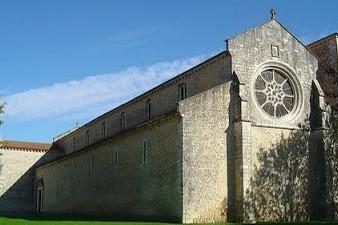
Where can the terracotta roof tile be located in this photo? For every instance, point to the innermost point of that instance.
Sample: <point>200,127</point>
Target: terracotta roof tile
<point>25,146</point>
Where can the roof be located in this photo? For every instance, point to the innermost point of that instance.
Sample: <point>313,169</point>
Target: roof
<point>280,24</point>
<point>324,38</point>
<point>111,138</point>
<point>145,94</point>
<point>24,146</point>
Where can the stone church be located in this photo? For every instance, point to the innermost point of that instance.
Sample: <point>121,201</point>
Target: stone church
<point>238,137</point>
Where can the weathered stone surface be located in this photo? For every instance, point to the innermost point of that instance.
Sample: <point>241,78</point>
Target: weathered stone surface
<point>16,181</point>
<point>326,49</point>
<point>217,155</point>
<point>205,121</point>
<point>93,182</point>
<point>253,51</point>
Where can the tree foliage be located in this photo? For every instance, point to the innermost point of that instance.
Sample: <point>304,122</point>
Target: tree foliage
<point>331,159</point>
<point>2,107</point>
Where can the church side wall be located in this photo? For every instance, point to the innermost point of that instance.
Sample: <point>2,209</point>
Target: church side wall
<point>205,122</point>
<point>118,179</point>
<point>16,181</point>
<point>164,99</point>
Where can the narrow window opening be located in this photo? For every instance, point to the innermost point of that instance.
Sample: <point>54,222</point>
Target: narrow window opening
<point>116,158</point>
<point>145,151</point>
<point>74,170</point>
<point>182,92</point>
<point>92,167</point>
<point>148,108</point>
<point>74,143</point>
<point>87,137</point>
<point>123,121</point>
<point>103,129</point>
<point>40,200</point>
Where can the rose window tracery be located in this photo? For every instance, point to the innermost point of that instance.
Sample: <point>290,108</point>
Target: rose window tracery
<point>274,93</point>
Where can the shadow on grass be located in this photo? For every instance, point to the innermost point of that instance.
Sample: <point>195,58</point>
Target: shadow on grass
<point>75,220</point>
<point>87,219</point>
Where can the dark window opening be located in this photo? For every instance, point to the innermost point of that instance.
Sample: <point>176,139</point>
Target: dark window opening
<point>182,92</point>
<point>116,158</point>
<point>123,121</point>
<point>39,200</point>
<point>145,151</point>
<point>87,137</point>
<point>74,143</point>
<point>103,129</point>
<point>148,109</point>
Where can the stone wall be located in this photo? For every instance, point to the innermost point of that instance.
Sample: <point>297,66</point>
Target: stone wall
<point>326,50</point>
<point>205,122</point>
<point>16,181</point>
<point>163,98</point>
<point>117,178</point>
<point>269,45</point>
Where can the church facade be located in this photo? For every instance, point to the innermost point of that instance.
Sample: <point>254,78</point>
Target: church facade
<point>238,137</point>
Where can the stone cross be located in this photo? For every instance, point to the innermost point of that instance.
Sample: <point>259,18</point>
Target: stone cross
<point>273,14</point>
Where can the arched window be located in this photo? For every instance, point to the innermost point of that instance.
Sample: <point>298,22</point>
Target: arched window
<point>182,92</point>
<point>123,121</point>
<point>39,196</point>
<point>148,108</point>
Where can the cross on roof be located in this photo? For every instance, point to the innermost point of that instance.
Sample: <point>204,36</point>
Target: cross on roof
<point>273,14</point>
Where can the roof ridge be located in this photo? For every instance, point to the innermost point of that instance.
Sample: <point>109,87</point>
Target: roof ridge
<point>323,38</point>
<point>16,144</point>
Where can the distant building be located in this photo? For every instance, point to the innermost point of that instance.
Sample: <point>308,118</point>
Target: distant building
<point>17,174</point>
<point>211,144</point>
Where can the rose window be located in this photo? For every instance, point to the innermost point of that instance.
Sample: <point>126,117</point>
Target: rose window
<point>274,93</point>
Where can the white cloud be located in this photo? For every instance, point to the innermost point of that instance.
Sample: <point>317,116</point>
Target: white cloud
<point>99,92</point>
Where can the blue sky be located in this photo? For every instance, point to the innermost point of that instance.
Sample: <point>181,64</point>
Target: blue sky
<point>66,61</point>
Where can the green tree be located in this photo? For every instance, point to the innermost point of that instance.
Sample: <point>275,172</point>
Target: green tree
<point>331,155</point>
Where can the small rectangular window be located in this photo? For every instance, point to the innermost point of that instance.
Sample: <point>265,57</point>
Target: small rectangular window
<point>148,109</point>
<point>74,171</point>
<point>40,200</point>
<point>123,121</point>
<point>182,92</point>
<point>103,129</point>
<point>74,143</point>
<point>116,158</point>
<point>92,165</point>
<point>145,151</point>
<point>87,137</point>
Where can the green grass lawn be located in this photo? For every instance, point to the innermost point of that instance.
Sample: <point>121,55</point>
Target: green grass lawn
<point>53,221</point>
